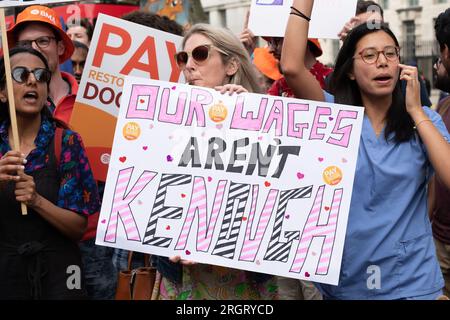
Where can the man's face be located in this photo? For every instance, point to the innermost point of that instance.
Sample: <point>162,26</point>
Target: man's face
<point>275,46</point>
<point>78,61</point>
<point>441,80</point>
<point>78,33</point>
<point>51,50</point>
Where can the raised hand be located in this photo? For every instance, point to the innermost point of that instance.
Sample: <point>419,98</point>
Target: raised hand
<point>247,37</point>
<point>412,98</point>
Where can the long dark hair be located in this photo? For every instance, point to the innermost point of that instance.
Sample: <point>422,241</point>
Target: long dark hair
<point>4,110</point>
<point>346,91</point>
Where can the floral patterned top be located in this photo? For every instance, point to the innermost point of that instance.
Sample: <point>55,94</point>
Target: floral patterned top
<point>78,190</point>
<point>208,282</point>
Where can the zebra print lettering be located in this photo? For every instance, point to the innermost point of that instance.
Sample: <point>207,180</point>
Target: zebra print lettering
<point>277,250</point>
<point>226,243</point>
<point>161,211</point>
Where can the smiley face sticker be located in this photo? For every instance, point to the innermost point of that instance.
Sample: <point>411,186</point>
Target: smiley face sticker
<point>131,131</point>
<point>332,175</point>
<point>218,112</point>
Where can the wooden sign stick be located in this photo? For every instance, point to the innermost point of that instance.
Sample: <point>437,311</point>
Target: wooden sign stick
<point>9,87</point>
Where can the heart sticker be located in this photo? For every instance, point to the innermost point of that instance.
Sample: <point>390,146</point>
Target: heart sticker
<point>300,175</point>
<point>123,159</point>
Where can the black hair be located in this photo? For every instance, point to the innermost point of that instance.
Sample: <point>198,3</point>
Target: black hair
<point>346,91</point>
<point>85,23</point>
<point>364,6</point>
<point>442,29</point>
<point>154,21</point>
<point>4,110</point>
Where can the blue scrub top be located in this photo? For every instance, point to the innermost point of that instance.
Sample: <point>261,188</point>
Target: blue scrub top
<point>388,232</point>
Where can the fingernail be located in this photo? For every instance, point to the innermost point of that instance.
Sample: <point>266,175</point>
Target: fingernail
<point>25,161</point>
<point>21,167</point>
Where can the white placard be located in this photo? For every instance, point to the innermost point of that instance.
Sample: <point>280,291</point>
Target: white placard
<point>269,17</point>
<point>249,181</point>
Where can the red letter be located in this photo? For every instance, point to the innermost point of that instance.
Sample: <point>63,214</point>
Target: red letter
<point>148,46</point>
<point>171,50</point>
<point>103,47</point>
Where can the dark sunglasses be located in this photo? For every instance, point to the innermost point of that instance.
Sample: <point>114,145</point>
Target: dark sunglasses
<point>199,54</point>
<point>21,74</point>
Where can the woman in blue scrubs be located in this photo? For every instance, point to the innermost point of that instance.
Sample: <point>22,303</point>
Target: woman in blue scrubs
<point>389,251</point>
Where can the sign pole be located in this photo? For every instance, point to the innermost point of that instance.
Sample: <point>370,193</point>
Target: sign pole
<point>12,106</point>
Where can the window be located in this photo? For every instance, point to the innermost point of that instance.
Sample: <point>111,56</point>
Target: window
<point>223,17</point>
<point>385,4</point>
<point>413,3</point>
<point>409,30</point>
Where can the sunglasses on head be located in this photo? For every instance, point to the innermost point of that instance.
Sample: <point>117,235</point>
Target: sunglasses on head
<point>199,54</point>
<point>21,74</point>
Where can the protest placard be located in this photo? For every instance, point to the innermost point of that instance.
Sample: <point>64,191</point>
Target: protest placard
<point>252,182</point>
<point>118,48</point>
<point>327,19</point>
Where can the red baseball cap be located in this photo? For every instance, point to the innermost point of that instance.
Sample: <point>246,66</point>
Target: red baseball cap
<point>44,15</point>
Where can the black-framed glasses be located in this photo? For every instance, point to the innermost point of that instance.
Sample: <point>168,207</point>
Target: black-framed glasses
<point>371,55</point>
<point>199,54</point>
<point>41,42</point>
<point>21,74</point>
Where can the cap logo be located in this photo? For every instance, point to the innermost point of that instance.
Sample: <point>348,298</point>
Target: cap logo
<point>34,11</point>
<point>48,16</point>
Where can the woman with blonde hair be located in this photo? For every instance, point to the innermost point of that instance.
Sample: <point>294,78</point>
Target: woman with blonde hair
<point>214,58</point>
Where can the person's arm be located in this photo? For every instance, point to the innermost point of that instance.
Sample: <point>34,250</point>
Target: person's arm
<point>438,148</point>
<point>69,223</point>
<point>300,80</point>
<point>247,37</point>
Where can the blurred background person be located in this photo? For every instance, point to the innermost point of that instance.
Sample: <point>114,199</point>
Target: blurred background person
<point>80,30</point>
<point>79,59</point>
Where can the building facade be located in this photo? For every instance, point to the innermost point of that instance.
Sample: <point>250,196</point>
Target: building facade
<point>227,13</point>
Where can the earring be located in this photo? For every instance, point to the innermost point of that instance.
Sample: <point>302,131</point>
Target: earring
<point>3,99</point>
